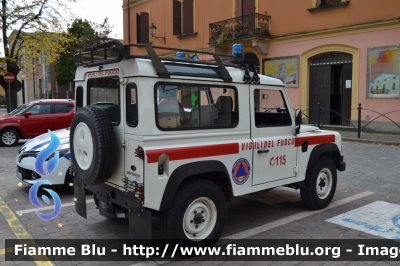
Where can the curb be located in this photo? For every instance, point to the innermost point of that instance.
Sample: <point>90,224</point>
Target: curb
<point>372,141</point>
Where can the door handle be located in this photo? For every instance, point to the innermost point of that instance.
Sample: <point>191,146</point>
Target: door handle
<point>262,151</point>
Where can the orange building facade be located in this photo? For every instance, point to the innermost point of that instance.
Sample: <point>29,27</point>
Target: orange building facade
<point>335,54</point>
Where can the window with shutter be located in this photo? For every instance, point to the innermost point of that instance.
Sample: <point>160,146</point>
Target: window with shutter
<point>331,1</point>
<point>321,5</point>
<point>177,17</point>
<point>188,25</point>
<point>144,27</point>
<point>138,28</point>
<point>325,2</point>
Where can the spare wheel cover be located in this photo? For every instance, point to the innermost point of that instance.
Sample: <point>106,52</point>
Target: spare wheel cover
<point>92,143</point>
<point>83,146</point>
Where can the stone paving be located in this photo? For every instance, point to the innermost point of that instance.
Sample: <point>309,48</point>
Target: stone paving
<point>370,167</point>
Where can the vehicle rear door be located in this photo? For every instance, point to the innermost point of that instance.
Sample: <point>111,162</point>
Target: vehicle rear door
<point>274,150</point>
<point>134,162</point>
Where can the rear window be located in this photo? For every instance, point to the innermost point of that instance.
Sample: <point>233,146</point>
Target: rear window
<point>188,106</point>
<point>104,93</point>
<point>132,117</point>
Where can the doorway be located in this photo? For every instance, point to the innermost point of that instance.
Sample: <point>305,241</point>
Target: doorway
<point>331,87</point>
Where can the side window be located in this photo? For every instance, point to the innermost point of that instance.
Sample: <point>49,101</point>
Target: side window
<point>62,108</point>
<point>40,109</point>
<point>190,106</point>
<point>270,109</point>
<point>104,93</point>
<point>132,117</point>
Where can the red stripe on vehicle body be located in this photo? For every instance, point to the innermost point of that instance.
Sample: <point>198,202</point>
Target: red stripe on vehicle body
<point>314,140</point>
<point>193,152</point>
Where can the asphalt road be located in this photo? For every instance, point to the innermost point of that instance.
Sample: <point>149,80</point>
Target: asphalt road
<point>372,178</point>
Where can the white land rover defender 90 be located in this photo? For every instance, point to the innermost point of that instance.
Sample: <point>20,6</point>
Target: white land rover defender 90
<point>179,138</point>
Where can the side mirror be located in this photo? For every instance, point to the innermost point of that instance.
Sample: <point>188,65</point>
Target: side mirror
<point>298,120</point>
<point>27,114</point>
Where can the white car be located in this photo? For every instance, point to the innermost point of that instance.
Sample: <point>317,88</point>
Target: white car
<point>26,158</point>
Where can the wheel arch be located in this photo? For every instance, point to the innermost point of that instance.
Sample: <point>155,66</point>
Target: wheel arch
<point>15,128</point>
<point>324,150</point>
<point>214,171</point>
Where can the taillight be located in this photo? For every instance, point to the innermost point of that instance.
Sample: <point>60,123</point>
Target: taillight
<point>140,191</point>
<point>139,152</point>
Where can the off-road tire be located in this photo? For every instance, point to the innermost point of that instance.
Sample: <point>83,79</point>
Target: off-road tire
<point>5,136</point>
<point>172,220</point>
<point>318,197</point>
<point>99,130</point>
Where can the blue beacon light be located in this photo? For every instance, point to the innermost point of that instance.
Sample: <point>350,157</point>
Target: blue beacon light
<point>180,55</point>
<point>237,50</point>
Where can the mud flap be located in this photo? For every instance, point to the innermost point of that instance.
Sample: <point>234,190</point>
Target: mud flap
<point>140,223</point>
<point>80,200</point>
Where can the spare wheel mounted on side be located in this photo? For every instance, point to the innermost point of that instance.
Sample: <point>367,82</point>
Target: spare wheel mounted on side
<point>92,141</point>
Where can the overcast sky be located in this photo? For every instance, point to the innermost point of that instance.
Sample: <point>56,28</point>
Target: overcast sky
<point>97,10</point>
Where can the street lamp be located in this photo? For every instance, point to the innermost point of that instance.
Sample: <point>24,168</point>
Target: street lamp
<point>152,30</point>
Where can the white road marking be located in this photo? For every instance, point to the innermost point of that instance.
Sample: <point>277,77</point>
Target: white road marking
<point>50,207</point>
<point>294,217</point>
<point>271,225</point>
<point>379,218</point>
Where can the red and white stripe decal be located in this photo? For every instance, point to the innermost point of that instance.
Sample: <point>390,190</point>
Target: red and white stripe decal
<point>314,140</point>
<point>193,152</point>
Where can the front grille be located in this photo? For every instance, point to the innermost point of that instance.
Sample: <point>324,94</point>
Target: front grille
<point>27,174</point>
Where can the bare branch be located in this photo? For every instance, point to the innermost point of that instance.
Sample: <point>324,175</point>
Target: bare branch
<point>24,25</point>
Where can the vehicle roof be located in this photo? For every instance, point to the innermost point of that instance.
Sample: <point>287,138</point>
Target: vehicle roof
<point>114,58</point>
<point>132,67</point>
<point>53,101</point>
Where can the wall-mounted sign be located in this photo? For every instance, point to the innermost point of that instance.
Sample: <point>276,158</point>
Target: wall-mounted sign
<point>383,72</point>
<point>284,68</point>
<point>348,84</point>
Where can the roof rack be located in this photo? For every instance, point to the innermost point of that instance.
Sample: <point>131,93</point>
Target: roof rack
<point>101,54</point>
<point>114,51</point>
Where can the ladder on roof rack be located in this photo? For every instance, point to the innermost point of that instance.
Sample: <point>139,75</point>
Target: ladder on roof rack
<point>114,51</point>
<point>163,72</point>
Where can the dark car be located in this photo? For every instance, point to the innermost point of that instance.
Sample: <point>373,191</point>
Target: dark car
<point>35,118</point>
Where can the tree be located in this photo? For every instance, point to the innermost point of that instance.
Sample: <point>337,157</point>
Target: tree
<point>29,27</point>
<point>81,34</point>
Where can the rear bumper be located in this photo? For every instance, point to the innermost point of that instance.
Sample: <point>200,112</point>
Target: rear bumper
<point>341,166</point>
